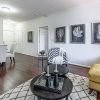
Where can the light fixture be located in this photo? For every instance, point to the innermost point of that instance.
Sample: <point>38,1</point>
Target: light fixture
<point>7,9</point>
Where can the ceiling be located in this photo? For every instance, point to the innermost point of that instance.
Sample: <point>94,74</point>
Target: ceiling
<point>30,9</point>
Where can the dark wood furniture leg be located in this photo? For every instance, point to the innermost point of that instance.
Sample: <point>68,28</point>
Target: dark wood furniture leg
<point>11,59</point>
<point>3,65</point>
<point>98,95</point>
<point>90,91</point>
<point>39,98</point>
<point>42,63</point>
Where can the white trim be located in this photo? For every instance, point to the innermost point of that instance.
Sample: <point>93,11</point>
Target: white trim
<point>36,56</point>
<point>46,28</point>
<point>26,54</point>
<point>87,66</point>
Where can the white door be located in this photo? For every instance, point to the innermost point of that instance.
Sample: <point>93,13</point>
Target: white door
<point>43,39</point>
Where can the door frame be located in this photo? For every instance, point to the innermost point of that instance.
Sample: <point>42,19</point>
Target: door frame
<point>39,38</point>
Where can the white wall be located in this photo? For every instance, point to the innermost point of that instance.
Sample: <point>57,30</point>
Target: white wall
<point>83,54</point>
<point>21,36</point>
<point>1,30</point>
<point>9,30</point>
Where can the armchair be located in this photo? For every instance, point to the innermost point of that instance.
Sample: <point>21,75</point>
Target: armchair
<point>57,53</point>
<point>57,56</point>
<point>94,77</point>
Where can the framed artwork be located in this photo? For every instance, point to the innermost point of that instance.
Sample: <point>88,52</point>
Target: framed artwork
<point>60,35</point>
<point>30,36</point>
<point>95,27</point>
<point>77,33</point>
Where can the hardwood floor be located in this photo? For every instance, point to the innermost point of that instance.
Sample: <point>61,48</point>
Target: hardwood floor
<point>25,68</point>
<point>78,70</point>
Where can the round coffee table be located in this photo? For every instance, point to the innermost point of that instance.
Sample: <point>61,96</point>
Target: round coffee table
<point>42,94</point>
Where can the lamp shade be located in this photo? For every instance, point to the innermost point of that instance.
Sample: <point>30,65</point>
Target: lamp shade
<point>58,60</point>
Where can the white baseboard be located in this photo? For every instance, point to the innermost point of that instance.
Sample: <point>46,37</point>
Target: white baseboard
<point>79,64</point>
<point>68,62</point>
<point>27,54</point>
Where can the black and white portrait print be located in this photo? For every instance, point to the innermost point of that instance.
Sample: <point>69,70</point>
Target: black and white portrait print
<point>77,34</point>
<point>95,32</point>
<point>60,34</point>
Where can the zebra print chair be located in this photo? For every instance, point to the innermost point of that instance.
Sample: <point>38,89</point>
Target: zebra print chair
<point>55,52</point>
<point>58,53</point>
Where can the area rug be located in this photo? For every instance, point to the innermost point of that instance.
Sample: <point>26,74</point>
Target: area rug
<point>80,90</point>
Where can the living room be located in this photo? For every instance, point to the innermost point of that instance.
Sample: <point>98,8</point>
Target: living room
<point>35,27</point>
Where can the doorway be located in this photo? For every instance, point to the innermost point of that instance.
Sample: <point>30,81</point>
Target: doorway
<point>43,39</point>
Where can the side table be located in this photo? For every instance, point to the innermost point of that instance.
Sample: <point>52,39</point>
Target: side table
<point>42,58</point>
